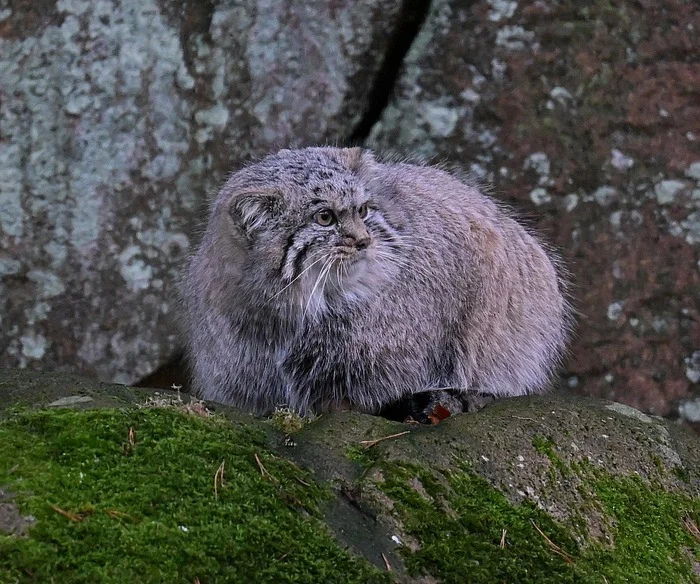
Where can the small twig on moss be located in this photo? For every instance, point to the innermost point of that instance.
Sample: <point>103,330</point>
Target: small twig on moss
<point>303,482</point>
<point>386,563</point>
<point>503,539</point>
<point>114,514</point>
<point>553,546</point>
<point>196,407</point>
<point>263,470</point>
<point>158,400</point>
<point>193,406</point>
<point>130,442</point>
<point>369,443</point>
<point>68,514</point>
<point>219,479</point>
<point>691,527</point>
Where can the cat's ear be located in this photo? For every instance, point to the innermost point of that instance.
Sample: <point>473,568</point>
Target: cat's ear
<point>353,158</point>
<point>251,210</point>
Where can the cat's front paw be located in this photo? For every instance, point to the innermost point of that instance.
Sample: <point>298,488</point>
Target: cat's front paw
<point>431,407</point>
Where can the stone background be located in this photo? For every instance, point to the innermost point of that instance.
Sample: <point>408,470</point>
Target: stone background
<point>118,118</point>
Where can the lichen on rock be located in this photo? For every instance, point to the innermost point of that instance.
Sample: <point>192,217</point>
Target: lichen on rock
<point>118,118</point>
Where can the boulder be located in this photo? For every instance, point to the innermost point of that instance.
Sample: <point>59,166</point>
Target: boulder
<point>105,483</point>
<point>117,119</point>
<point>586,116</point>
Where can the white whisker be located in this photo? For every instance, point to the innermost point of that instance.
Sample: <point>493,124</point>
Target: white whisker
<point>295,279</point>
<point>326,266</point>
<point>323,287</point>
<point>404,264</point>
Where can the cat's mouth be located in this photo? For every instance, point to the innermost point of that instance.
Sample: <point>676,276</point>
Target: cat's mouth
<point>351,258</point>
<point>342,253</point>
<point>345,252</point>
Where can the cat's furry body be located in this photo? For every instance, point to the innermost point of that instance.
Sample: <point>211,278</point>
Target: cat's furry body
<point>436,287</point>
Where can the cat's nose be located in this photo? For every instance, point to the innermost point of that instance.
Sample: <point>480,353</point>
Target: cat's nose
<point>356,236</point>
<point>358,241</point>
<point>363,242</point>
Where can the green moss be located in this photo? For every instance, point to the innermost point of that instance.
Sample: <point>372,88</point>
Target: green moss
<point>681,473</point>
<point>148,511</point>
<point>651,543</point>
<point>459,526</point>
<point>547,447</point>
<point>658,463</point>
<point>365,457</point>
<point>544,445</point>
<point>457,518</point>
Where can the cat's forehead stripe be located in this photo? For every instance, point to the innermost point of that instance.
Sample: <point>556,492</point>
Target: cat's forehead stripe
<point>321,176</point>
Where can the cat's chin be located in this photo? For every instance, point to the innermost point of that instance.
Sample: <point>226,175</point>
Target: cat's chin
<point>361,280</point>
<point>355,280</point>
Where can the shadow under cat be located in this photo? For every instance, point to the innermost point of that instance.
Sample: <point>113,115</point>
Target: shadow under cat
<point>428,407</point>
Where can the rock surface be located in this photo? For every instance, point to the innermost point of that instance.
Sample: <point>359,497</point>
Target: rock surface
<point>588,116</point>
<point>117,118</point>
<point>547,489</point>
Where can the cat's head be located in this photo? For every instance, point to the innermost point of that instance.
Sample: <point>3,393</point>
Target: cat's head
<point>313,229</point>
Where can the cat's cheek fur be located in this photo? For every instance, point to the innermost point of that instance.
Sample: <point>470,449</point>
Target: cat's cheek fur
<point>365,277</point>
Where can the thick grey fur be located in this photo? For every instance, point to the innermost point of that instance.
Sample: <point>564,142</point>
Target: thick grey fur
<point>438,287</point>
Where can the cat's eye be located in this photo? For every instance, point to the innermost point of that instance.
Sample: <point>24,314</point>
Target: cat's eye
<point>362,210</point>
<point>324,218</point>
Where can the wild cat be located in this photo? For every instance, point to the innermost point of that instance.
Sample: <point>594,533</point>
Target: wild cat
<point>328,277</point>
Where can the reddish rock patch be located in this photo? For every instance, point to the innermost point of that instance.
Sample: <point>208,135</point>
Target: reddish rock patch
<point>578,113</point>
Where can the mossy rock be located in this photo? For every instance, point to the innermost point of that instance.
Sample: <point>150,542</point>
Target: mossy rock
<point>103,483</point>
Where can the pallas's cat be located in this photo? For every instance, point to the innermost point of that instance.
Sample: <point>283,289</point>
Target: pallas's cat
<point>327,277</point>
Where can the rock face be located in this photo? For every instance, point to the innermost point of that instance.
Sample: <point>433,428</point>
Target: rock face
<point>117,117</point>
<point>546,490</point>
<point>587,115</point>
